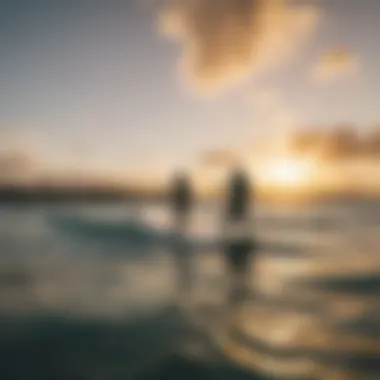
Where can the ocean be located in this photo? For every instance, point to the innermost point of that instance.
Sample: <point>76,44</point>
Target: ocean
<point>96,292</point>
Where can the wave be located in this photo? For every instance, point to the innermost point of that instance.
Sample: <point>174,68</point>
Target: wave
<point>134,233</point>
<point>127,233</point>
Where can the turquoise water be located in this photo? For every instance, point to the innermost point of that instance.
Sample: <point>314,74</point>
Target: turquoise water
<point>93,292</point>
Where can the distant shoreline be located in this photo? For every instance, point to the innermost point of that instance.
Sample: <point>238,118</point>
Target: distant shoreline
<point>23,195</point>
<point>34,195</point>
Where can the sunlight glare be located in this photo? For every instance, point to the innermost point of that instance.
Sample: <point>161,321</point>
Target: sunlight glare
<point>286,172</point>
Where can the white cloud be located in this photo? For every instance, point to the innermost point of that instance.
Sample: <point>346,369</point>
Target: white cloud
<point>335,64</point>
<point>224,41</point>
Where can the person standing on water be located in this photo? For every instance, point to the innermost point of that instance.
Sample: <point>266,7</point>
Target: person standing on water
<point>238,240</point>
<point>181,202</point>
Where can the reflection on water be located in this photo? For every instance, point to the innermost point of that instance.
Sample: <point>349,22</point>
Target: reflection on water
<point>72,308</point>
<point>316,315</point>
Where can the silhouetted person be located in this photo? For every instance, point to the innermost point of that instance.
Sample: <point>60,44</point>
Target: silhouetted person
<point>238,196</point>
<point>181,200</point>
<point>238,234</point>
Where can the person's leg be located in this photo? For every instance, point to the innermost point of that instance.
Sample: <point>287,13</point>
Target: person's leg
<point>181,257</point>
<point>239,265</point>
<point>234,274</point>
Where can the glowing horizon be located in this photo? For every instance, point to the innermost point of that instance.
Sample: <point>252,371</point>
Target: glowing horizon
<point>285,172</point>
<point>98,95</point>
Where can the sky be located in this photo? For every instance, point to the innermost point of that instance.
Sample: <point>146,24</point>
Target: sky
<point>92,84</point>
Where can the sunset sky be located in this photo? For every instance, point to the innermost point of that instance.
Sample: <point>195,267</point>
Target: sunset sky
<point>94,84</point>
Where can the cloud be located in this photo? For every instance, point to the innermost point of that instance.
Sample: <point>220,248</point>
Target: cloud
<point>14,164</point>
<point>219,158</point>
<point>334,64</point>
<point>373,144</point>
<point>339,143</point>
<point>18,156</point>
<point>224,41</point>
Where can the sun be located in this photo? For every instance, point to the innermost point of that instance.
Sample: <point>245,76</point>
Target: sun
<point>286,172</point>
